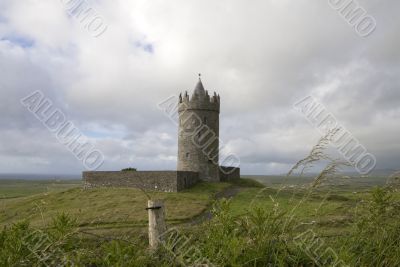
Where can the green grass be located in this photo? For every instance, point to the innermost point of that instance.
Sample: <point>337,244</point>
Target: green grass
<point>247,182</point>
<point>329,210</point>
<point>20,188</point>
<point>252,229</point>
<point>342,183</point>
<point>106,207</point>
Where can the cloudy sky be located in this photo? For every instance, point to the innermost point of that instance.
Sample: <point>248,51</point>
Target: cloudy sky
<point>261,56</point>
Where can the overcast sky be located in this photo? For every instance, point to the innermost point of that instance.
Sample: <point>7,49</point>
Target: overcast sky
<point>261,56</point>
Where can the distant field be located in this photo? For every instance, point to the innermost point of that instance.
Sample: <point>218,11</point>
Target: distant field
<point>21,188</point>
<point>347,182</point>
<point>330,208</point>
<point>12,188</point>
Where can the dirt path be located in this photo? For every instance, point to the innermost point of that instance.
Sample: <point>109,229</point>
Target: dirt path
<point>227,193</point>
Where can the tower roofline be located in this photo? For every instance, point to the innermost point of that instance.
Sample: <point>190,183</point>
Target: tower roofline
<point>199,89</point>
<point>200,99</point>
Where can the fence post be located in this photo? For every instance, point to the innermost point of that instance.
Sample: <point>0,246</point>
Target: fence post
<point>157,225</point>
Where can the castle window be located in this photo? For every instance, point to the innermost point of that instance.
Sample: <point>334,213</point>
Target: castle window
<point>187,155</point>
<point>205,120</point>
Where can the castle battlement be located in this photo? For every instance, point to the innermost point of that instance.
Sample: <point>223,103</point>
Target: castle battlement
<point>200,100</point>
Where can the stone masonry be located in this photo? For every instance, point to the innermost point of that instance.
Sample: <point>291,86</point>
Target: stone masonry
<point>227,174</point>
<point>165,181</point>
<point>198,133</point>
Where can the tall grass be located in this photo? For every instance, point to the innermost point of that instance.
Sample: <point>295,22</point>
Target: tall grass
<point>375,237</point>
<point>258,238</point>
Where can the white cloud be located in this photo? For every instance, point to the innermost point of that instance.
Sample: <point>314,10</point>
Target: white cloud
<point>261,56</point>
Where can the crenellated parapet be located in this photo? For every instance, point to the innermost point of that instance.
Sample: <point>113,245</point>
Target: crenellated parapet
<point>200,100</point>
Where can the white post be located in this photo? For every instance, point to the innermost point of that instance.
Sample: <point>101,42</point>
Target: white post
<point>157,225</point>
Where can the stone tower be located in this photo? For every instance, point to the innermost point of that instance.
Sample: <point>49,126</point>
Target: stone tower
<point>198,137</point>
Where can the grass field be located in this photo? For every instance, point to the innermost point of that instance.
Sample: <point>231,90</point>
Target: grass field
<point>329,208</point>
<point>20,188</point>
<point>100,207</point>
<point>263,208</point>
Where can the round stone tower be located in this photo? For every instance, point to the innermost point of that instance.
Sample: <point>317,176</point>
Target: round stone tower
<point>198,136</point>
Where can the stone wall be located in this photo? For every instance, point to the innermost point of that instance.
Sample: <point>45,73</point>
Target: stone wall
<point>165,181</point>
<point>197,140</point>
<point>186,179</point>
<point>228,173</point>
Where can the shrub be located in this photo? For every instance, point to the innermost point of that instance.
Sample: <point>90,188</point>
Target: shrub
<point>129,169</point>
